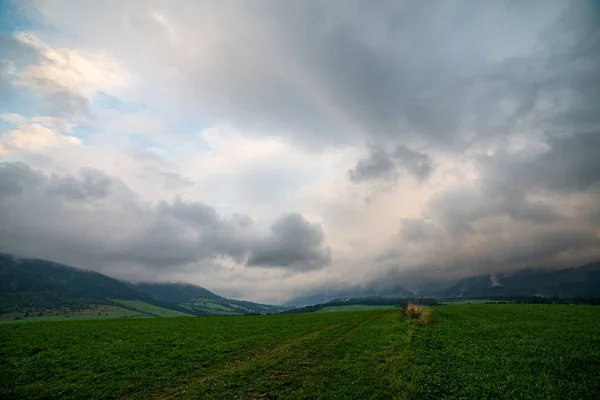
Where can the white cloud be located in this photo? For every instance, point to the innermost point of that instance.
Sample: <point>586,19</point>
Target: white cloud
<point>83,72</point>
<point>37,133</point>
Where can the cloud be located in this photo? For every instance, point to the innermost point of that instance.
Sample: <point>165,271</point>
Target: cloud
<point>416,230</point>
<point>30,67</point>
<point>380,165</point>
<point>377,166</point>
<point>333,72</point>
<point>482,118</point>
<point>13,176</point>
<point>63,80</point>
<point>569,164</point>
<point>418,164</point>
<point>456,209</point>
<point>93,184</point>
<point>295,243</point>
<point>108,223</point>
<point>340,73</point>
<point>37,133</point>
<point>496,224</point>
<point>13,53</point>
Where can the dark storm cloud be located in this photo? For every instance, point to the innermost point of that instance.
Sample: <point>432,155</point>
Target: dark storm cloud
<point>443,258</point>
<point>415,230</point>
<point>508,184</point>
<point>458,208</point>
<point>14,176</point>
<point>294,243</point>
<point>377,166</point>
<point>444,74</point>
<point>181,232</point>
<point>417,164</point>
<point>570,164</point>
<point>191,213</point>
<point>451,78</point>
<point>108,224</point>
<point>505,220</point>
<point>381,165</point>
<point>178,233</point>
<point>92,184</point>
<point>546,245</point>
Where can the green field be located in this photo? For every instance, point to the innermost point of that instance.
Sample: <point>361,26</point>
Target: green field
<point>97,312</point>
<point>472,351</point>
<point>215,308</point>
<point>150,309</point>
<point>356,307</point>
<point>462,302</point>
<point>510,351</point>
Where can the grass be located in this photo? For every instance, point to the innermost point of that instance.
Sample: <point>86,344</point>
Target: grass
<point>214,308</point>
<point>515,351</point>
<point>475,301</point>
<point>97,312</point>
<point>354,308</point>
<point>150,309</point>
<point>419,312</point>
<point>290,356</point>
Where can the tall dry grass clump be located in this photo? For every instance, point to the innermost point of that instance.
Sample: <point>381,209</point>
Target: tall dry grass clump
<point>420,312</point>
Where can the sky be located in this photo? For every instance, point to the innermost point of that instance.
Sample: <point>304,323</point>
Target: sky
<point>270,149</point>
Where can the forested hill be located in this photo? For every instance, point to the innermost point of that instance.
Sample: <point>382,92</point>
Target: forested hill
<point>45,288</point>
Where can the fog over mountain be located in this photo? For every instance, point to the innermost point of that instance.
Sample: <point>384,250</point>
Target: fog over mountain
<point>270,149</point>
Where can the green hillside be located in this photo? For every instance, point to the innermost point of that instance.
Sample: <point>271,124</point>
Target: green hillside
<point>508,351</point>
<point>214,308</point>
<point>150,309</point>
<point>202,301</point>
<point>33,289</point>
<point>176,293</point>
<point>93,311</point>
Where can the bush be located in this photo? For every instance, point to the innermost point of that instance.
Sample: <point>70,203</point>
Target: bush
<point>420,312</point>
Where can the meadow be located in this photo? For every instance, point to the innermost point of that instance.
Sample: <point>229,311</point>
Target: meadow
<point>357,307</point>
<point>96,312</point>
<point>471,351</point>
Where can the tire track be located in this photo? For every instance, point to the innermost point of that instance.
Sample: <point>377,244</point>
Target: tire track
<point>339,332</point>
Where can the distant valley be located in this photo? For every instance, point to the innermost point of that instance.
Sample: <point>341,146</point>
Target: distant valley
<point>353,292</point>
<point>34,289</point>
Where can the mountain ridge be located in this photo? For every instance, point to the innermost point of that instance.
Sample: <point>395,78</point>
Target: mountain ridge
<point>356,291</point>
<point>28,284</point>
<point>581,281</point>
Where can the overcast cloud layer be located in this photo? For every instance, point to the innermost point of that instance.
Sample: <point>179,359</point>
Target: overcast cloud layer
<point>266,149</point>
